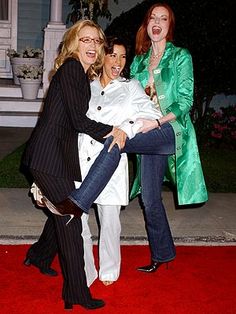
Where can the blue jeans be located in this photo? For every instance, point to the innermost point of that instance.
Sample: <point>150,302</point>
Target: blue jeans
<point>155,146</point>
<point>159,235</point>
<point>156,142</point>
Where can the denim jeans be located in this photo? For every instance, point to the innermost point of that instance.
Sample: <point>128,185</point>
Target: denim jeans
<point>156,142</point>
<point>159,235</point>
<point>155,146</point>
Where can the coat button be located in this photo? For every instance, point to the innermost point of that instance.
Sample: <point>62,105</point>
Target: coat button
<point>178,133</point>
<point>157,71</point>
<point>161,97</point>
<point>99,107</point>
<point>102,93</point>
<point>88,159</point>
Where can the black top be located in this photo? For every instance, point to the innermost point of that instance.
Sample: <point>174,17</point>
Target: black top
<point>53,145</point>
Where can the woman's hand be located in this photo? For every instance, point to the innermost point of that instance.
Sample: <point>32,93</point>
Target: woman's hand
<point>119,138</point>
<point>148,125</point>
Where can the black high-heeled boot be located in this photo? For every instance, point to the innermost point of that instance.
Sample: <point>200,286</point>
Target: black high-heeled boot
<point>152,267</point>
<point>64,208</point>
<point>44,270</point>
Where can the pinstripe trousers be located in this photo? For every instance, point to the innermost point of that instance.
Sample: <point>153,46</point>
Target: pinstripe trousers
<point>66,239</point>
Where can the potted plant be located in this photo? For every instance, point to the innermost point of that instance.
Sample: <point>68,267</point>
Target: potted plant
<point>31,56</point>
<point>30,78</point>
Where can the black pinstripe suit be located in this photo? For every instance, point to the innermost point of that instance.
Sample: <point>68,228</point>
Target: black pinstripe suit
<point>52,156</point>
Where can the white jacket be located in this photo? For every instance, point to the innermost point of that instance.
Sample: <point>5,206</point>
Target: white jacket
<point>120,103</point>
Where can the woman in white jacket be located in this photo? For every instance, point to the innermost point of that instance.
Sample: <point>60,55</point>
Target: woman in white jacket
<point>117,101</point>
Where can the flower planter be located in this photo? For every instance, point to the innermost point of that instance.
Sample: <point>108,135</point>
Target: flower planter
<point>30,87</point>
<point>16,61</point>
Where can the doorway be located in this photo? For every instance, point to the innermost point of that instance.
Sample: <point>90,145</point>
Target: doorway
<point>8,34</point>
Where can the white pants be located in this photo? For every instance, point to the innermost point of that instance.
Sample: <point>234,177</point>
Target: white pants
<point>109,244</point>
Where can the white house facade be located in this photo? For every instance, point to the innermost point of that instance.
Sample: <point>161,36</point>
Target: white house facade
<point>38,24</point>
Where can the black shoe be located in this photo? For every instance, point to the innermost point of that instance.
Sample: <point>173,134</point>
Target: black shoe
<point>49,272</point>
<point>152,267</point>
<point>92,305</point>
<point>46,271</point>
<point>68,306</point>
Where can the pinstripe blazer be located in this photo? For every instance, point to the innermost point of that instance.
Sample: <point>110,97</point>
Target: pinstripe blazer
<point>53,145</point>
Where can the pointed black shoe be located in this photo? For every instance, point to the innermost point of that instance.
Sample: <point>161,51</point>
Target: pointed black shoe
<point>92,305</point>
<point>152,267</point>
<point>46,271</point>
<point>67,207</point>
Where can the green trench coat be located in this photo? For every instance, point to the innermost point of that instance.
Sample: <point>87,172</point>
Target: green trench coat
<point>173,80</point>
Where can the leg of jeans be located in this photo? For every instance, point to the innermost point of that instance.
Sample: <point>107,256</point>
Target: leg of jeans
<point>157,141</point>
<point>97,178</point>
<point>109,242</point>
<point>159,235</point>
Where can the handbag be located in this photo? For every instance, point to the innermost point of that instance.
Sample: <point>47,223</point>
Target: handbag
<point>37,195</point>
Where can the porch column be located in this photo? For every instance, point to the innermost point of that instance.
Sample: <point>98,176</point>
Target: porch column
<point>56,12</point>
<point>53,34</point>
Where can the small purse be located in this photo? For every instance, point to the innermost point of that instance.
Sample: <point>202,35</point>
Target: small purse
<point>37,195</point>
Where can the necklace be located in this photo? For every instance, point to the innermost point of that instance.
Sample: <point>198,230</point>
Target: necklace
<point>158,55</point>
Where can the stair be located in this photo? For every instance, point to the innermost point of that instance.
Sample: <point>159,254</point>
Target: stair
<point>16,111</point>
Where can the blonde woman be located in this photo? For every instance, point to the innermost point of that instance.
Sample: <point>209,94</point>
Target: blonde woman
<point>52,156</point>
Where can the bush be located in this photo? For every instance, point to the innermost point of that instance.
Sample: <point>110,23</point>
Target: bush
<point>10,175</point>
<point>218,167</point>
<point>217,129</point>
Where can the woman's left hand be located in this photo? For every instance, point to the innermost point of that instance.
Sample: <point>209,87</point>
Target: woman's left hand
<point>148,125</point>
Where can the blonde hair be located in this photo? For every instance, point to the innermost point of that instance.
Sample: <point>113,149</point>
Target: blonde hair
<point>70,47</point>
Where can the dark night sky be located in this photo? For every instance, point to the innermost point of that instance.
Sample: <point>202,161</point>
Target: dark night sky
<point>206,29</point>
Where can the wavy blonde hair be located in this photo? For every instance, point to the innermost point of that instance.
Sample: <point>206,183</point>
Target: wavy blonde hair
<point>70,46</point>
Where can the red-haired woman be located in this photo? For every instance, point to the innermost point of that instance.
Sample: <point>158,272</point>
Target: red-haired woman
<point>166,73</point>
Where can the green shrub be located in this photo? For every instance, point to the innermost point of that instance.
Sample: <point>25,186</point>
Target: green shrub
<point>10,175</point>
<point>218,167</point>
<point>217,129</point>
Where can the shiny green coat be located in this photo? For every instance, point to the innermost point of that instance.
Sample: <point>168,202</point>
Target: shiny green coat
<point>173,80</point>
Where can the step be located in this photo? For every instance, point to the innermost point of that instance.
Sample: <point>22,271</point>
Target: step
<point>11,90</point>
<point>19,112</point>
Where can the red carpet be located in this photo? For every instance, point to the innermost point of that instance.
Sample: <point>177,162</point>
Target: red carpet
<point>200,280</point>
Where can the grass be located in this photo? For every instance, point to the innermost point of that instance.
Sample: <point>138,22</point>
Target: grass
<point>219,169</point>
<point>218,166</point>
<point>10,175</point>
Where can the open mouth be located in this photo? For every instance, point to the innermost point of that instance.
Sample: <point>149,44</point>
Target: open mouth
<point>115,70</point>
<point>156,30</point>
<point>91,53</point>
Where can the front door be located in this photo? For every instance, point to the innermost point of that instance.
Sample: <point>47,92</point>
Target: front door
<point>8,34</point>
